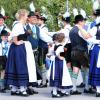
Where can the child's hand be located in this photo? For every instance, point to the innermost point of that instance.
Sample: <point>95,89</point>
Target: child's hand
<point>19,42</point>
<point>50,45</point>
<point>65,49</point>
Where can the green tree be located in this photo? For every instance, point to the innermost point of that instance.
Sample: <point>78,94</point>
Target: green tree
<point>53,8</point>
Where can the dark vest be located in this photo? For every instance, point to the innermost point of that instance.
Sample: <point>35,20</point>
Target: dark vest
<point>33,41</point>
<point>0,33</point>
<point>98,32</point>
<point>77,42</point>
<point>62,53</point>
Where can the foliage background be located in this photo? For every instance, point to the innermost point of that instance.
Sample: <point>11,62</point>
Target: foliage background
<point>53,9</point>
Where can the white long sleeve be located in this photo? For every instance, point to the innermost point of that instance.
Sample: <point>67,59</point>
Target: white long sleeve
<point>93,40</point>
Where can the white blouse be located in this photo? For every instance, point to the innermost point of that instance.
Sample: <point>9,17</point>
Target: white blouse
<point>59,50</point>
<point>66,32</point>
<point>17,29</point>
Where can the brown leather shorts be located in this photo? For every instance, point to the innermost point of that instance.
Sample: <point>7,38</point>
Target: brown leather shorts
<point>79,58</point>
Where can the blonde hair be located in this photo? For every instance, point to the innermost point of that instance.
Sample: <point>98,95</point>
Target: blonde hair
<point>20,13</point>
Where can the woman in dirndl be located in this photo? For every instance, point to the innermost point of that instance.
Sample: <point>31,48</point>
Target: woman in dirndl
<point>94,71</point>
<point>94,37</point>
<point>18,72</point>
<point>60,78</point>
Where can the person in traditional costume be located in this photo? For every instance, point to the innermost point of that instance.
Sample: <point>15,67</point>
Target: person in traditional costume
<point>18,72</point>
<point>85,70</point>
<point>44,41</point>
<point>79,51</point>
<point>60,78</point>
<point>33,37</point>
<point>66,30</point>
<point>3,26</point>
<point>4,49</point>
<point>50,56</point>
<point>94,70</point>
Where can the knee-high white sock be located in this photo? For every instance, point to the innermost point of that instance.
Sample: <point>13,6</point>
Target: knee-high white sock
<point>22,88</point>
<point>86,79</point>
<point>44,75</point>
<point>74,80</point>
<point>14,88</point>
<point>55,90</point>
<point>83,74</point>
<point>98,89</point>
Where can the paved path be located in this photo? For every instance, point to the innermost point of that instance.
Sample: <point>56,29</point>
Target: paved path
<point>44,94</point>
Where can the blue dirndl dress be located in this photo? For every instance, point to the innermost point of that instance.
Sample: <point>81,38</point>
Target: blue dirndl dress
<point>94,71</point>
<point>16,72</point>
<point>60,76</point>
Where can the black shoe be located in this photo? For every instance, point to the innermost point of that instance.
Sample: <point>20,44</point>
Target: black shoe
<point>34,92</point>
<point>29,91</point>
<point>75,92</point>
<point>86,91</point>
<point>14,93</point>
<point>24,94</point>
<point>56,96</point>
<point>97,94</point>
<point>3,91</point>
<point>81,85</point>
<point>89,91</point>
<point>63,94</point>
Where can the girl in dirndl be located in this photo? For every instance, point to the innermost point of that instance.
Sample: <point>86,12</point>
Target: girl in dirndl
<point>59,77</point>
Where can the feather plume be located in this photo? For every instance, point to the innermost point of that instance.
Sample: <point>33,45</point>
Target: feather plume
<point>43,9</point>
<point>2,11</point>
<point>44,15</point>
<point>75,12</point>
<point>95,4</point>
<point>67,14</point>
<point>32,7</point>
<point>83,13</point>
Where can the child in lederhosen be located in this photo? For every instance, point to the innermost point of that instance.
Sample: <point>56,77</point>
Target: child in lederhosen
<point>4,48</point>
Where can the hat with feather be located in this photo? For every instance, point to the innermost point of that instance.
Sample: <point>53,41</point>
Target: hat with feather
<point>2,13</point>
<point>66,17</point>
<point>96,8</point>
<point>83,13</point>
<point>32,10</point>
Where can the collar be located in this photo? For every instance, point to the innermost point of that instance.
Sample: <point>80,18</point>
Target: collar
<point>67,26</point>
<point>42,25</point>
<point>58,43</point>
<point>31,25</point>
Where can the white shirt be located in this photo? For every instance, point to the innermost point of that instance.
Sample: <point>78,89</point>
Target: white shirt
<point>44,34</point>
<point>31,26</point>
<point>92,40</point>
<point>66,32</point>
<point>3,46</point>
<point>59,49</point>
<point>1,28</point>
